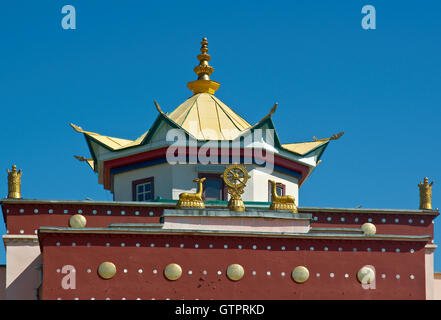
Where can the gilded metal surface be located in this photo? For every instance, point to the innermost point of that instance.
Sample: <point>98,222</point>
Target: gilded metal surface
<point>201,86</point>
<point>77,221</point>
<point>111,142</point>
<point>77,128</point>
<point>366,275</point>
<point>281,202</point>
<point>207,118</point>
<point>235,272</point>
<point>426,194</point>
<point>107,270</point>
<point>333,137</point>
<point>173,271</point>
<point>235,177</point>
<point>203,70</point>
<point>14,183</point>
<point>273,109</point>
<point>89,161</point>
<point>192,200</point>
<point>158,107</point>
<point>300,274</point>
<point>368,228</point>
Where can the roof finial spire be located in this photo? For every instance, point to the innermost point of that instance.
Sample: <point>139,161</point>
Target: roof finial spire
<point>203,70</point>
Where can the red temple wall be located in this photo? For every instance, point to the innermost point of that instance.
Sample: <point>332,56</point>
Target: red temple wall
<point>29,221</point>
<point>148,285</point>
<point>409,224</point>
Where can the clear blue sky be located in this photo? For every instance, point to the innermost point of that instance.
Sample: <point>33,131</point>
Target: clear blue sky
<point>382,87</point>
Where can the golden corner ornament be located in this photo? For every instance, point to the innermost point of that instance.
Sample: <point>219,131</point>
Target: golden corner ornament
<point>235,177</point>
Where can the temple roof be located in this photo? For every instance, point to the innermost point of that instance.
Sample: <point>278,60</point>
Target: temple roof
<point>204,117</point>
<point>207,118</point>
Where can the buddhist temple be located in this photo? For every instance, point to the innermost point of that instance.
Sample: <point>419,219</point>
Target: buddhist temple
<point>207,206</point>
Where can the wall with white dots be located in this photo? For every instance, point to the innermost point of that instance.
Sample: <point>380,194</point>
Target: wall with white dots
<point>268,264</point>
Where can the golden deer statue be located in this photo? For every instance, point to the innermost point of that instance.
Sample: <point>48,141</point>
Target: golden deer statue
<point>192,200</point>
<point>281,202</point>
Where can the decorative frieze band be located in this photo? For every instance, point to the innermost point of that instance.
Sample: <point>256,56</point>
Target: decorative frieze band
<point>16,238</point>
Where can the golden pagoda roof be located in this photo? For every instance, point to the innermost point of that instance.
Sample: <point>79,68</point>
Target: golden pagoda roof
<point>207,118</point>
<point>204,117</point>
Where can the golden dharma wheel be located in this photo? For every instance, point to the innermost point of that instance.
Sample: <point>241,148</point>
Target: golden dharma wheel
<point>235,176</point>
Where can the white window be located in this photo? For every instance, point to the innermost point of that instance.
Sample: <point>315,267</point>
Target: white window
<point>143,190</point>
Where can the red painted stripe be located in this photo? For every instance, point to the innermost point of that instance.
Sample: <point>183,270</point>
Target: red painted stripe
<point>143,156</point>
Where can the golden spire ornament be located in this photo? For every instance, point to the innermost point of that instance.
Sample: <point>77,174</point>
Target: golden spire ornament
<point>203,70</point>
<point>425,194</point>
<point>14,183</point>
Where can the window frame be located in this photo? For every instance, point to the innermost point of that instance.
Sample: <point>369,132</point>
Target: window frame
<point>142,181</point>
<point>216,176</point>
<point>279,184</point>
